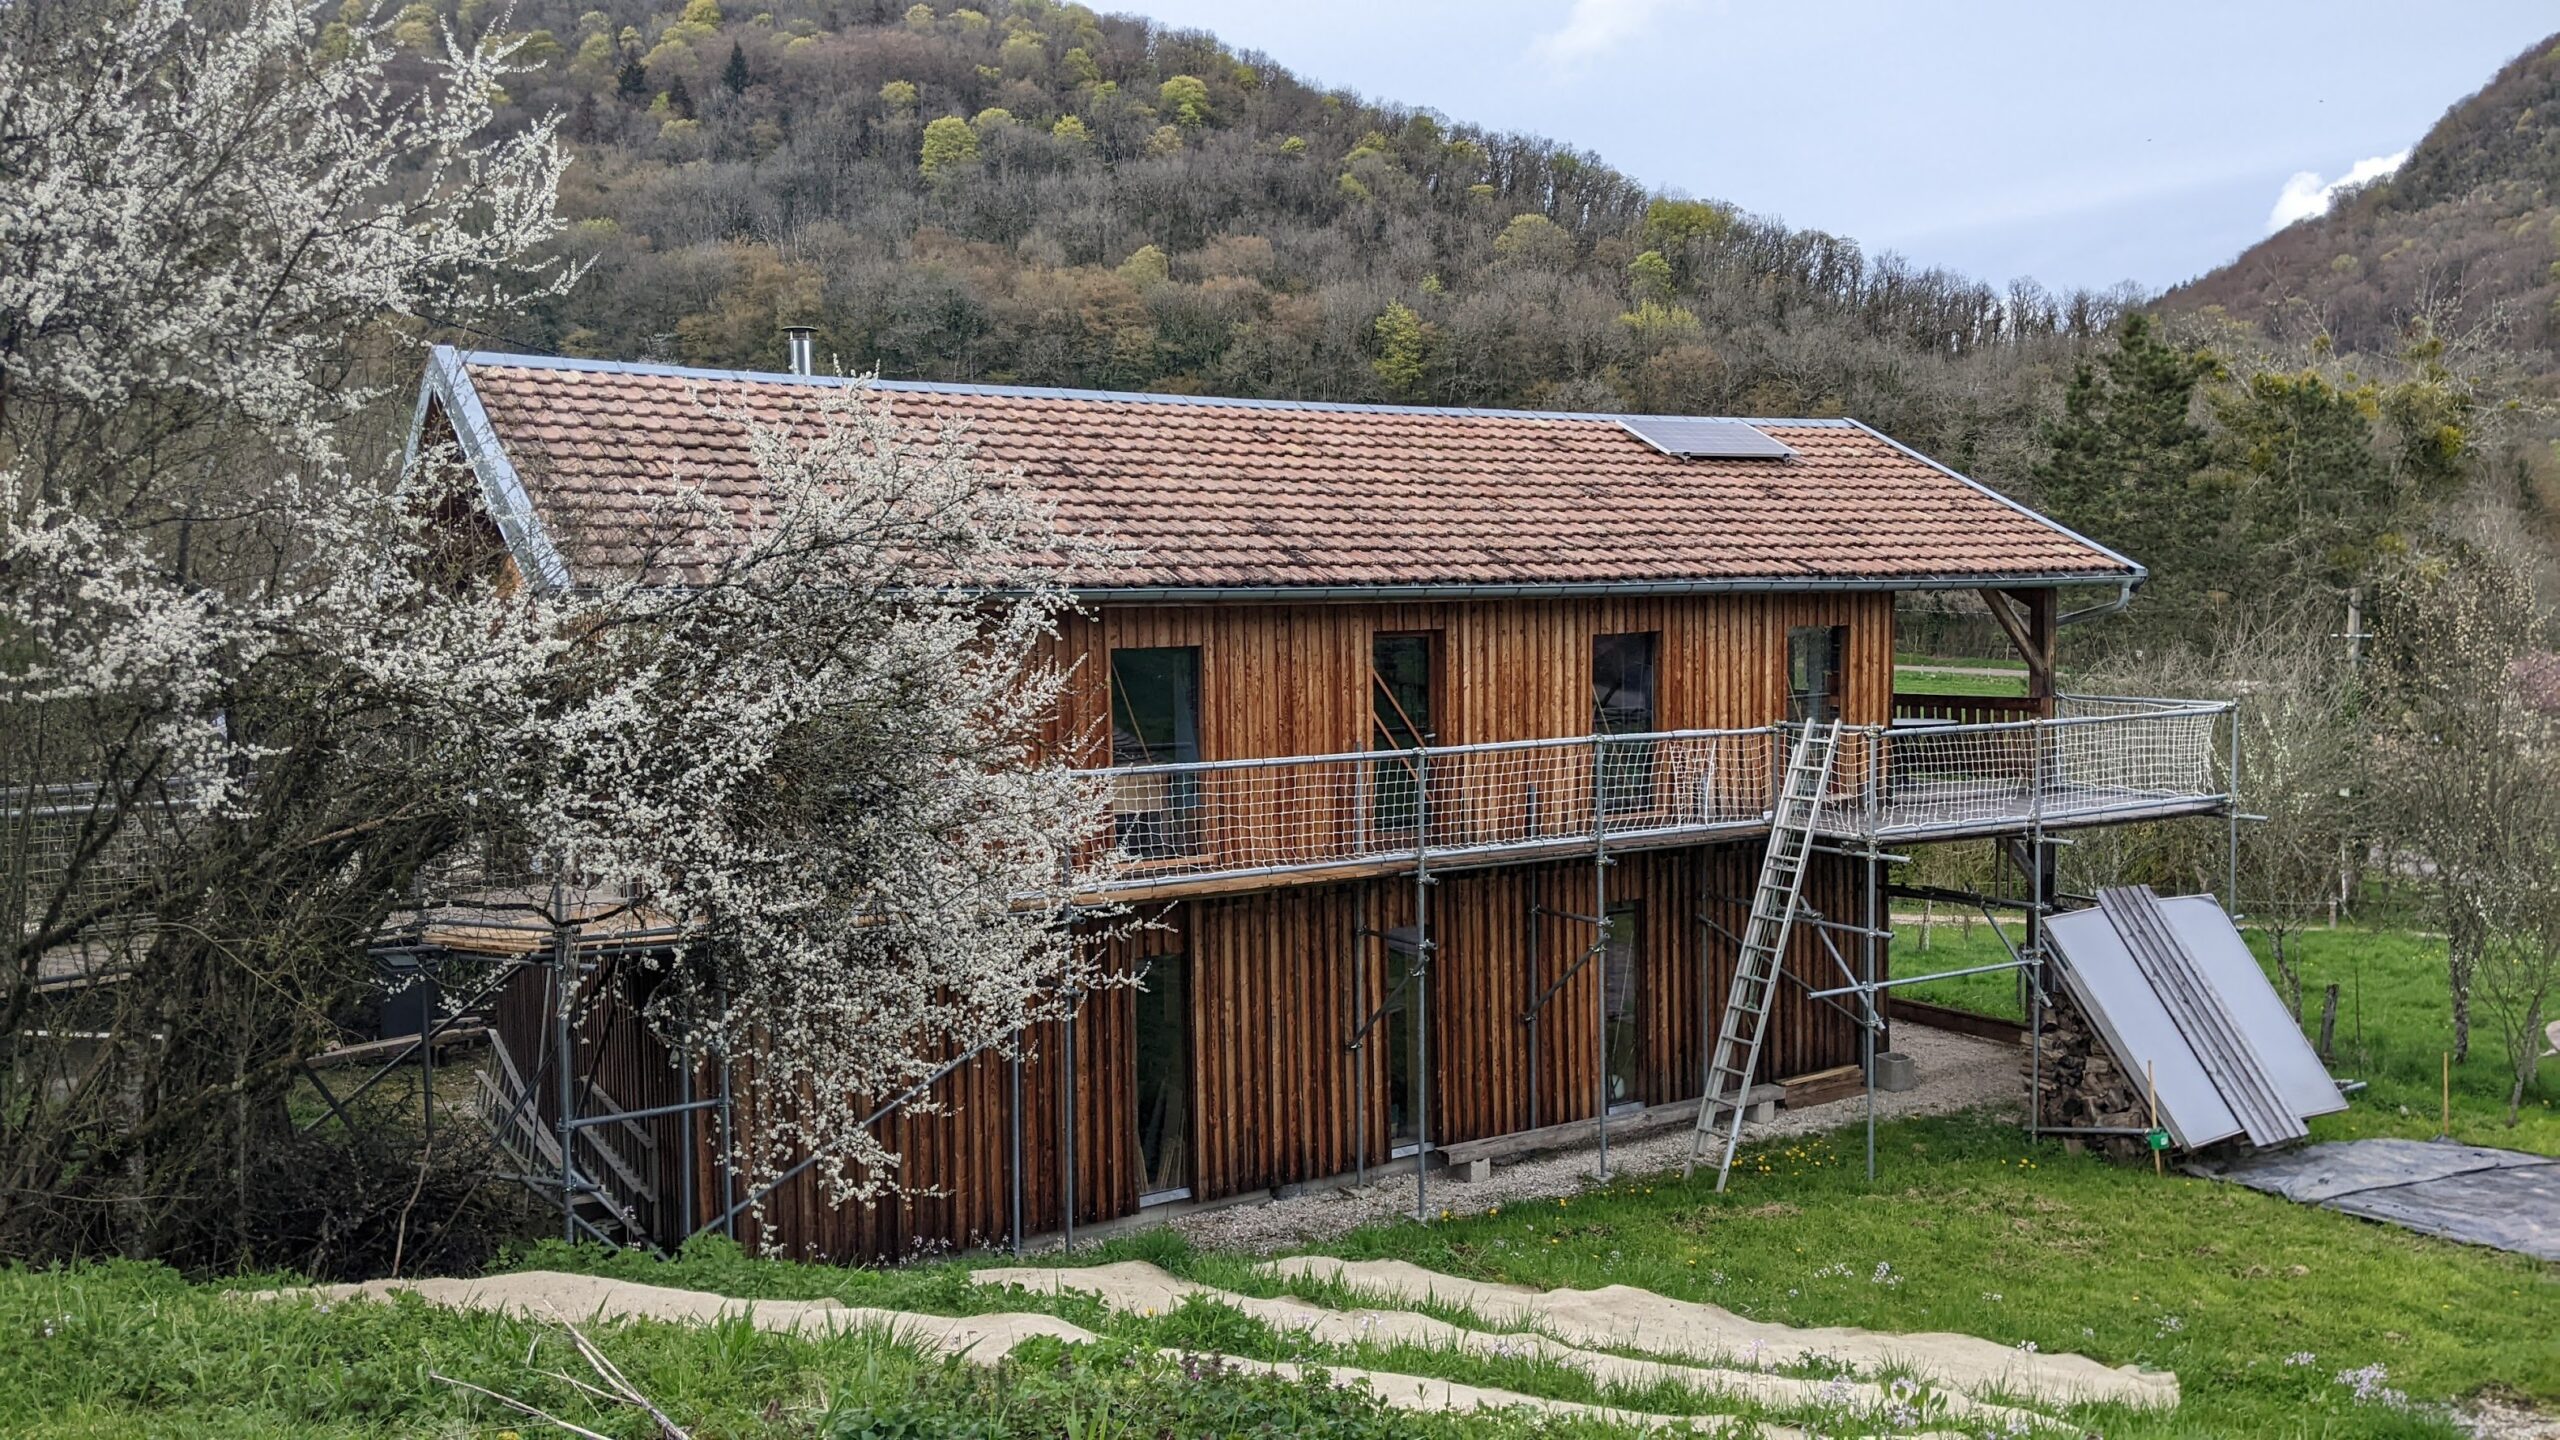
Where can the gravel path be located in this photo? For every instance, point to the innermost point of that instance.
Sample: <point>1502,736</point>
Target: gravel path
<point>1956,1073</point>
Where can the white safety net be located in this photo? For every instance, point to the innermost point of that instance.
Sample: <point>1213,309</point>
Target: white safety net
<point>2098,758</point>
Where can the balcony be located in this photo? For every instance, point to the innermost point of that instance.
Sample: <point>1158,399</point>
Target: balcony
<point>1947,768</point>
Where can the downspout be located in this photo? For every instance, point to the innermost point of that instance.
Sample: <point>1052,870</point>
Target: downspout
<point>2124,597</point>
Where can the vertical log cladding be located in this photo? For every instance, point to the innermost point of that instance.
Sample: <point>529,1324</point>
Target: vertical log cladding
<point>1273,1010</point>
<point>1274,999</point>
<point>1488,982</point>
<point>1294,679</point>
<point>954,1179</point>
<point>1275,993</point>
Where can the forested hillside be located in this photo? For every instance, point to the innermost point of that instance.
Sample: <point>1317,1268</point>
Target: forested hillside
<point>1029,192</point>
<point>2469,229</point>
<point>1036,193</point>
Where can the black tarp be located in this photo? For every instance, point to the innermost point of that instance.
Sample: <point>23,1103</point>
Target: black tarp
<point>2500,1198</point>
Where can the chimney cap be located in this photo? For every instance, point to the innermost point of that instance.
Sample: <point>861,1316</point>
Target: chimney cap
<point>801,343</point>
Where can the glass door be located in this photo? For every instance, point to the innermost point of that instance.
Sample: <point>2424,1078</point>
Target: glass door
<point>1164,1080</point>
<point>1401,1032</point>
<point>1622,995</point>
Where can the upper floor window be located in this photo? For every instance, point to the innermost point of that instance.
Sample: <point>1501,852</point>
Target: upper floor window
<point>1155,705</point>
<point>1622,683</point>
<point>1622,703</point>
<point>1155,720</point>
<point>1815,655</point>
<point>1400,693</point>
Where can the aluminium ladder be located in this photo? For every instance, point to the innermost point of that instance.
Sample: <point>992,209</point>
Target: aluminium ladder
<point>1764,947</point>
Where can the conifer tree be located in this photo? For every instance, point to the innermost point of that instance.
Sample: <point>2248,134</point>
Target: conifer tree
<point>2130,465</point>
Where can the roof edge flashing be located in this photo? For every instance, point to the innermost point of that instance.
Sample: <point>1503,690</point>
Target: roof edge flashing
<point>447,385</point>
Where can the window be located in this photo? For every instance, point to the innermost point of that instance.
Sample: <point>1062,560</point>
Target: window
<point>1622,991</point>
<point>1622,703</point>
<point>1164,1079</point>
<point>1814,671</point>
<point>1400,693</point>
<point>1401,1033</point>
<point>1155,720</point>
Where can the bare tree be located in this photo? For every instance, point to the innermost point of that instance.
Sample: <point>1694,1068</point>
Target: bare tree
<point>2466,765</point>
<point>2302,769</point>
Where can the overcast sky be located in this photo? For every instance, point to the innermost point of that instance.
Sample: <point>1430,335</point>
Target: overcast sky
<point>2078,142</point>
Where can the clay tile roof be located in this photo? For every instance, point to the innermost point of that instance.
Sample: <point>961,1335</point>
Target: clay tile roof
<point>1208,494</point>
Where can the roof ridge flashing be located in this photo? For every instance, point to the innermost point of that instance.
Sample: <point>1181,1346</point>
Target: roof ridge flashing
<point>512,360</point>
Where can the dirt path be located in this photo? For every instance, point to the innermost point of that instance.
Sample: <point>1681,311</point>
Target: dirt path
<point>1621,1315</point>
<point>1957,1073</point>
<point>1138,1288</point>
<point>557,1295</point>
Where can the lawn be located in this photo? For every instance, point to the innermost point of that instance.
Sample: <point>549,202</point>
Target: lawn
<point>2260,1306</point>
<point>1925,680</point>
<point>1963,662</point>
<point>1968,1228</point>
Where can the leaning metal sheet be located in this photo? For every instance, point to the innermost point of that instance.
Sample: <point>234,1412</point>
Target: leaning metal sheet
<point>2102,976</point>
<point>2274,1036</point>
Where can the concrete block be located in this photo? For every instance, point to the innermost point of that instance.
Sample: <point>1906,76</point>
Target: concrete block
<point>1468,1172</point>
<point>1895,1072</point>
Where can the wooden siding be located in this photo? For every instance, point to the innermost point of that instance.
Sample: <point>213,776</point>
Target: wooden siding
<point>1278,980</point>
<point>1294,679</point>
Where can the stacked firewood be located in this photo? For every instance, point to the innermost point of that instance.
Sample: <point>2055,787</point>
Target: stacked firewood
<point>2083,1084</point>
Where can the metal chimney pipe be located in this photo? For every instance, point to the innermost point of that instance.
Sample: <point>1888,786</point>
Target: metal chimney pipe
<point>803,340</point>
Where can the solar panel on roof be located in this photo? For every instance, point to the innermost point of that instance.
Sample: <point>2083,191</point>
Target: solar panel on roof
<point>1694,439</point>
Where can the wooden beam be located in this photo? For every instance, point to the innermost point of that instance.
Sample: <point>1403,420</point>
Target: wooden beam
<point>2044,613</point>
<point>2032,636</point>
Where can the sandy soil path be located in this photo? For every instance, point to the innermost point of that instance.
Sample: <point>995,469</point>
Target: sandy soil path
<point>1138,1288</point>
<point>980,1339</point>
<point>1623,1316</point>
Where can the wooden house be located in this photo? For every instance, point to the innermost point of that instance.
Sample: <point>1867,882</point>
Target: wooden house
<point>1444,744</point>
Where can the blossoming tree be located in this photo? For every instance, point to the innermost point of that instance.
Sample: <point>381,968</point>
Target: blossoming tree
<point>252,688</point>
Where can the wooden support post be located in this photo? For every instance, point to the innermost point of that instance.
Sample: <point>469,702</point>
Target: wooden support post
<point>2151,1091</point>
<point>2032,634</point>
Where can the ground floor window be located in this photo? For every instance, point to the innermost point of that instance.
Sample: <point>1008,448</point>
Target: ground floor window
<point>1164,1079</point>
<point>1622,994</point>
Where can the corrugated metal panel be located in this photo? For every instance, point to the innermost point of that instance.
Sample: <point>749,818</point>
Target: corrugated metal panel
<point>2211,1029</point>
<point>2275,1036</point>
<point>2100,972</point>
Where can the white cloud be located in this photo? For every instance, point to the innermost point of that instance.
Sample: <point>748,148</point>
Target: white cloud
<point>2306,194</point>
<point>1596,27</point>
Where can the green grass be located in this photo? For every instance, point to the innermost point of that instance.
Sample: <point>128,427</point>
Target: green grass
<point>1971,1228</point>
<point>1961,662</point>
<point>1912,679</point>
<point>2394,1026</point>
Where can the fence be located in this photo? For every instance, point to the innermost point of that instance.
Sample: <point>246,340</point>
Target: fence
<point>1242,818</point>
<point>1361,812</point>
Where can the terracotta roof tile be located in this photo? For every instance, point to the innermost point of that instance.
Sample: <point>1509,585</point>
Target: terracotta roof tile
<point>1226,494</point>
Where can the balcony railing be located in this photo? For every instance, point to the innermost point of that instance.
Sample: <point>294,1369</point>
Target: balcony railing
<point>1204,825</point>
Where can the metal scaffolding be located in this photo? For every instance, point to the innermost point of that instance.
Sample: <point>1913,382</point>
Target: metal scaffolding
<point>1210,826</point>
